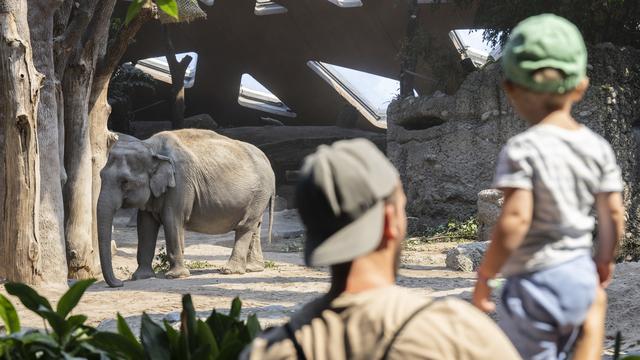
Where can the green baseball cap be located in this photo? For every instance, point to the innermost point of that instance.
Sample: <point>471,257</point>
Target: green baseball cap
<point>340,197</point>
<point>545,41</point>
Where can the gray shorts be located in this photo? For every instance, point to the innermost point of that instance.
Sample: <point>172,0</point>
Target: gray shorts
<point>542,312</point>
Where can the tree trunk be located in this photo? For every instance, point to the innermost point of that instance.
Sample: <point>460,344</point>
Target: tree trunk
<point>99,109</point>
<point>51,175</point>
<point>20,256</point>
<point>77,156</point>
<point>177,70</point>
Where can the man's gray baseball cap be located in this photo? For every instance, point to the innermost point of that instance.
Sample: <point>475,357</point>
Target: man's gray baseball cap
<point>340,197</point>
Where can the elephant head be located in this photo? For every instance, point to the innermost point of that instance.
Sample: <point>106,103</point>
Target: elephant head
<point>133,175</point>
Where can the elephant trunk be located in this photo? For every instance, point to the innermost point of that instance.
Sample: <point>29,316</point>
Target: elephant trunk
<point>106,211</point>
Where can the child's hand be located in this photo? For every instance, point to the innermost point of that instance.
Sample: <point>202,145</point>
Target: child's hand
<point>482,296</point>
<point>605,272</point>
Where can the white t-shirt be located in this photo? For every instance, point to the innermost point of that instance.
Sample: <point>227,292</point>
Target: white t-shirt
<point>565,169</point>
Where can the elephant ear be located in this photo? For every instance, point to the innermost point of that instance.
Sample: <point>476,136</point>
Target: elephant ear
<point>164,175</point>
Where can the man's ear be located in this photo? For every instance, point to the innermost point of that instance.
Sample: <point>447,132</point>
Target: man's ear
<point>390,229</point>
<point>163,176</point>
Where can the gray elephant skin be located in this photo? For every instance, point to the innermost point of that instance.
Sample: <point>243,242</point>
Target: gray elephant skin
<point>196,180</point>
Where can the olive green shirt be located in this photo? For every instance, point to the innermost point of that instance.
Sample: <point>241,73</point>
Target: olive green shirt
<point>361,326</point>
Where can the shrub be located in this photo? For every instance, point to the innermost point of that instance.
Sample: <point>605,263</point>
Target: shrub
<point>220,336</point>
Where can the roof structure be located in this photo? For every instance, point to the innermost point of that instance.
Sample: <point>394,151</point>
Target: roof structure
<point>281,42</point>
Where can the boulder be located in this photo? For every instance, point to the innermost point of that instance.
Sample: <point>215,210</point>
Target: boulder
<point>466,257</point>
<point>287,146</point>
<point>200,121</point>
<point>489,207</point>
<point>445,146</point>
<point>145,129</point>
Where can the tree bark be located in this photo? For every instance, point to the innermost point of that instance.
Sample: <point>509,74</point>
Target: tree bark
<point>99,109</point>
<point>52,175</point>
<point>79,65</point>
<point>20,256</point>
<point>177,70</point>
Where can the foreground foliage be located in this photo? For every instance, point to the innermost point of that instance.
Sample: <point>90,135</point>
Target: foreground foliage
<point>67,336</point>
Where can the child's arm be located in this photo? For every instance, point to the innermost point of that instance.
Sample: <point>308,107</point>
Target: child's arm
<point>508,233</point>
<point>610,229</point>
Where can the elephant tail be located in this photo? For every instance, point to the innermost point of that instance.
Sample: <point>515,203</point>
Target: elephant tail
<point>272,206</point>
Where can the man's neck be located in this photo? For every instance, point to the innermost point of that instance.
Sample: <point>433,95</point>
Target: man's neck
<point>373,271</point>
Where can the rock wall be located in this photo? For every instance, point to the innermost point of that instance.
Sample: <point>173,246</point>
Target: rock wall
<point>445,147</point>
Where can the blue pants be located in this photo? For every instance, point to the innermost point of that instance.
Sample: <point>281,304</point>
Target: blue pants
<point>542,312</point>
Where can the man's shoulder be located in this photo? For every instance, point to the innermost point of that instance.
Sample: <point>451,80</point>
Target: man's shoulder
<point>461,329</point>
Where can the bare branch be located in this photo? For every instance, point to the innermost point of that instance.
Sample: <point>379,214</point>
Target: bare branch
<point>119,45</point>
<point>70,39</point>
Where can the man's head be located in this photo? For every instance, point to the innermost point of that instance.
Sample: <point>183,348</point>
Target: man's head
<point>351,202</point>
<point>545,65</point>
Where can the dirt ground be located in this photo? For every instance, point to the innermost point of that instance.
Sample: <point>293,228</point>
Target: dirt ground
<point>286,284</point>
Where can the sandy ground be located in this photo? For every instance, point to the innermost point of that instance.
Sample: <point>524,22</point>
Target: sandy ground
<point>286,284</point>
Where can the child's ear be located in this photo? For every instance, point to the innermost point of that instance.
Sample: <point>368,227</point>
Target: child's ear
<point>508,87</point>
<point>581,89</point>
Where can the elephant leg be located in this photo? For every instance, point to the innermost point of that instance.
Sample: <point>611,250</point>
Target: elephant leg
<point>255,261</point>
<point>147,236</point>
<point>237,263</point>
<point>174,236</point>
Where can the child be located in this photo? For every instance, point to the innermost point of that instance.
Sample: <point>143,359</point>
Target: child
<point>552,175</point>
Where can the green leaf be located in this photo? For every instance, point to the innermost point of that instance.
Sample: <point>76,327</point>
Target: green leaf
<point>220,324</point>
<point>188,322</point>
<point>205,336</point>
<point>133,10</point>
<point>154,339</point>
<point>57,322</point>
<point>169,7</point>
<point>174,337</point>
<point>125,330</point>
<point>202,353</point>
<point>75,321</point>
<point>231,351</point>
<point>28,297</point>
<point>253,325</point>
<point>118,344</point>
<point>70,299</point>
<point>9,315</point>
<point>236,306</point>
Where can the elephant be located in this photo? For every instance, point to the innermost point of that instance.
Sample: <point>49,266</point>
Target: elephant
<point>190,179</point>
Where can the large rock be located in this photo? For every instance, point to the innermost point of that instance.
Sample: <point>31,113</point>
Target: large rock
<point>286,147</point>
<point>466,257</point>
<point>489,207</point>
<point>145,129</point>
<point>445,146</point>
<point>200,121</point>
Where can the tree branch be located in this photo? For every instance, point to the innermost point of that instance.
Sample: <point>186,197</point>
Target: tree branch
<point>70,39</point>
<point>119,45</point>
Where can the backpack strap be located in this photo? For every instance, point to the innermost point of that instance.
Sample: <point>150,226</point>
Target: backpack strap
<point>403,325</point>
<point>300,352</point>
<point>292,336</point>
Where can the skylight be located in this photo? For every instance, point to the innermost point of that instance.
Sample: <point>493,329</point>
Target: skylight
<point>158,68</point>
<point>255,96</point>
<point>470,44</point>
<point>346,3</point>
<point>370,94</point>
<point>267,7</point>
